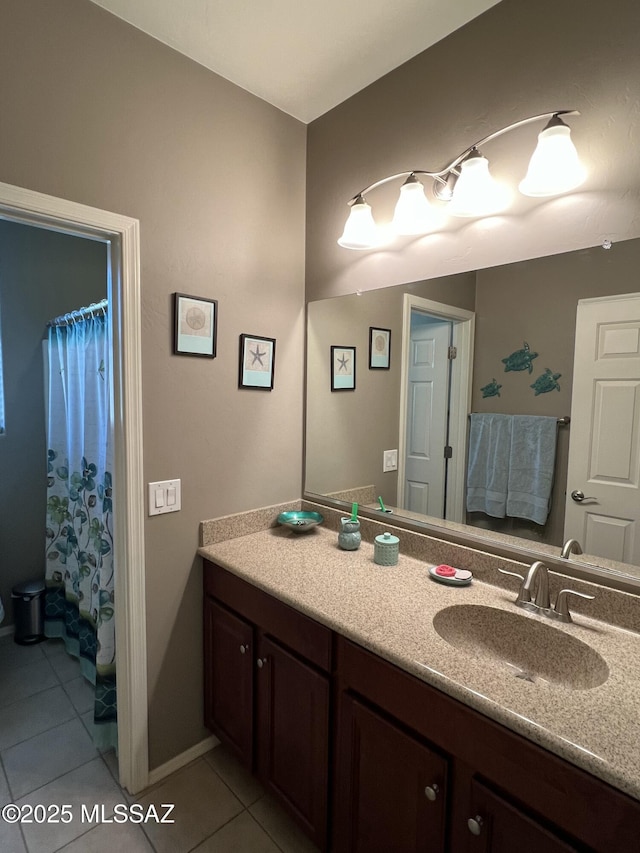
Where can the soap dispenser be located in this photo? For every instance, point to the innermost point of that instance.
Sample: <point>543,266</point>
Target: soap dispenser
<point>349,537</point>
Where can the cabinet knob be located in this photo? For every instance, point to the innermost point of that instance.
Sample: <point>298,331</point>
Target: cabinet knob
<point>261,662</point>
<point>244,648</point>
<point>431,792</point>
<point>475,825</point>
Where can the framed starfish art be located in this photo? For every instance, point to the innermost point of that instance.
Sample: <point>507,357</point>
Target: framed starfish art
<point>257,362</point>
<point>343,368</point>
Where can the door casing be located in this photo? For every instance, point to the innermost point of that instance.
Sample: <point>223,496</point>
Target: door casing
<point>121,234</point>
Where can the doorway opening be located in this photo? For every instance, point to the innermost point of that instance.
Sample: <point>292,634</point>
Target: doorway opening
<point>121,237</point>
<point>435,398</point>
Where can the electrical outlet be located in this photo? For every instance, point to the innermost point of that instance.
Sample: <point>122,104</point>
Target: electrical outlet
<point>389,460</point>
<point>165,496</point>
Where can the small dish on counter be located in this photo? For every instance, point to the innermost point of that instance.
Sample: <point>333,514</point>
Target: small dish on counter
<point>300,521</point>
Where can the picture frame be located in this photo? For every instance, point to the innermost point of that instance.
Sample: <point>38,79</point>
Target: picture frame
<point>257,362</point>
<point>194,325</point>
<point>379,348</point>
<point>343,368</point>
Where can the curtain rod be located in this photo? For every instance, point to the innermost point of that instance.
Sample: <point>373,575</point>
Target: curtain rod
<point>564,421</point>
<point>81,313</point>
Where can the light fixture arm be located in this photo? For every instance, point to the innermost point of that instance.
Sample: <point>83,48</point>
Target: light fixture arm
<point>441,175</point>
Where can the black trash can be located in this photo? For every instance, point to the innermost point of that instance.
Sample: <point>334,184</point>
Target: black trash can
<point>28,612</point>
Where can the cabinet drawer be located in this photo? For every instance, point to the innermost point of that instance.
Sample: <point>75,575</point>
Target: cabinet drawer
<point>304,635</point>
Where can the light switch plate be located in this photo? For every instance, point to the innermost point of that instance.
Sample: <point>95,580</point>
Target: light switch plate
<point>165,496</point>
<point>389,460</point>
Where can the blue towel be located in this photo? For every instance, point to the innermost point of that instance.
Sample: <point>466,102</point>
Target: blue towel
<point>531,465</point>
<point>488,468</point>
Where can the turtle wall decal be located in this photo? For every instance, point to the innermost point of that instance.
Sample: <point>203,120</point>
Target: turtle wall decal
<point>547,381</point>
<point>520,359</point>
<point>491,389</point>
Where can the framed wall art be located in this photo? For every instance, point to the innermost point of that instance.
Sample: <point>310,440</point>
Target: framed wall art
<point>195,322</point>
<point>257,362</point>
<point>379,348</point>
<point>343,368</point>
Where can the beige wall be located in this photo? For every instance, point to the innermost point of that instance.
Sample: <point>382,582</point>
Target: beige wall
<point>96,112</point>
<point>518,59</point>
<point>42,274</point>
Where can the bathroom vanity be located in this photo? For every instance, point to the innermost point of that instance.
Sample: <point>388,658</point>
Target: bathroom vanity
<point>326,674</point>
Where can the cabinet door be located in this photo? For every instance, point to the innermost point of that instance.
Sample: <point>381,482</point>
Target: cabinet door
<point>497,826</point>
<point>228,670</point>
<point>390,787</point>
<point>293,735</point>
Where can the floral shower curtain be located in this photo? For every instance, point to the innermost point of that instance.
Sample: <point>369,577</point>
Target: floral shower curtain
<point>79,597</point>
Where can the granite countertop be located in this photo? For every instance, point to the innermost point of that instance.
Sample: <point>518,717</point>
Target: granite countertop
<point>389,610</point>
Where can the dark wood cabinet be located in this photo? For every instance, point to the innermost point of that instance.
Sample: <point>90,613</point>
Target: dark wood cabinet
<point>267,693</point>
<point>370,759</point>
<point>391,788</point>
<point>527,798</point>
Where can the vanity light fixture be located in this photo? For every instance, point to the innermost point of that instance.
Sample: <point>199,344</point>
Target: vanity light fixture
<point>467,184</point>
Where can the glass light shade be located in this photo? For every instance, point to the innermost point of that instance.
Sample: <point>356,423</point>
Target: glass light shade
<point>413,213</point>
<point>554,166</point>
<point>360,230</point>
<point>476,193</point>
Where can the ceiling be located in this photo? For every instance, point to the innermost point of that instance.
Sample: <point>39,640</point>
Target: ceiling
<point>302,56</point>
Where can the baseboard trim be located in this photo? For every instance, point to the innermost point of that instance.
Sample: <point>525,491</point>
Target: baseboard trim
<point>5,631</point>
<point>186,757</point>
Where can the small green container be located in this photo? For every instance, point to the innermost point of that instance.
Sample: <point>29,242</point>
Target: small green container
<point>386,548</point>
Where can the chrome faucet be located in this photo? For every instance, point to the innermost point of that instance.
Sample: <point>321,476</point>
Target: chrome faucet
<point>541,603</point>
<point>539,573</point>
<point>571,545</point>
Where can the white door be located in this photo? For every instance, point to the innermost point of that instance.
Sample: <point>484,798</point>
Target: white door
<point>604,456</point>
<point>427,408</point>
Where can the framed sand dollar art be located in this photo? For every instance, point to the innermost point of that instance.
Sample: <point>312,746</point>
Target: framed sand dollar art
<point>195,321</point>
<point>379,348</point>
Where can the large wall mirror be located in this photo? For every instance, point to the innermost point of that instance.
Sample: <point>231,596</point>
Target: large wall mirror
<point>514,331</point>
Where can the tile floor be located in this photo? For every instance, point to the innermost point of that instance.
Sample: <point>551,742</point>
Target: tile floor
<point>47,758</point>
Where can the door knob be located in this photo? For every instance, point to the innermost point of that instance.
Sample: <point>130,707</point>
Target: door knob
<point>578,496</point>
<point>431,792</point>
<point>261,662</point>
<point>475,825</point>
<point>244,648</point>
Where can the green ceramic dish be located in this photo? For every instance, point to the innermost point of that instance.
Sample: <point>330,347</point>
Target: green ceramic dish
<point>299,521</point>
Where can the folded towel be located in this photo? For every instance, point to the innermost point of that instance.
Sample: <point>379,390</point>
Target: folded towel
<point>488,468</point>
<point>531,466</point>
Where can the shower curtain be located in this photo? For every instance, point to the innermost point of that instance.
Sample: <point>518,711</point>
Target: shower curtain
<point>79,596</point>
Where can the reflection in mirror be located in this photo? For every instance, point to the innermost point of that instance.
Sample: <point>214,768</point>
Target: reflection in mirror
<point>522,364</point>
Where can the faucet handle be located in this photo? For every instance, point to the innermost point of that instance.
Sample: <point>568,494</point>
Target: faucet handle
<point>513,574</point>
<point>561,609</point>
<point>524,594</point>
